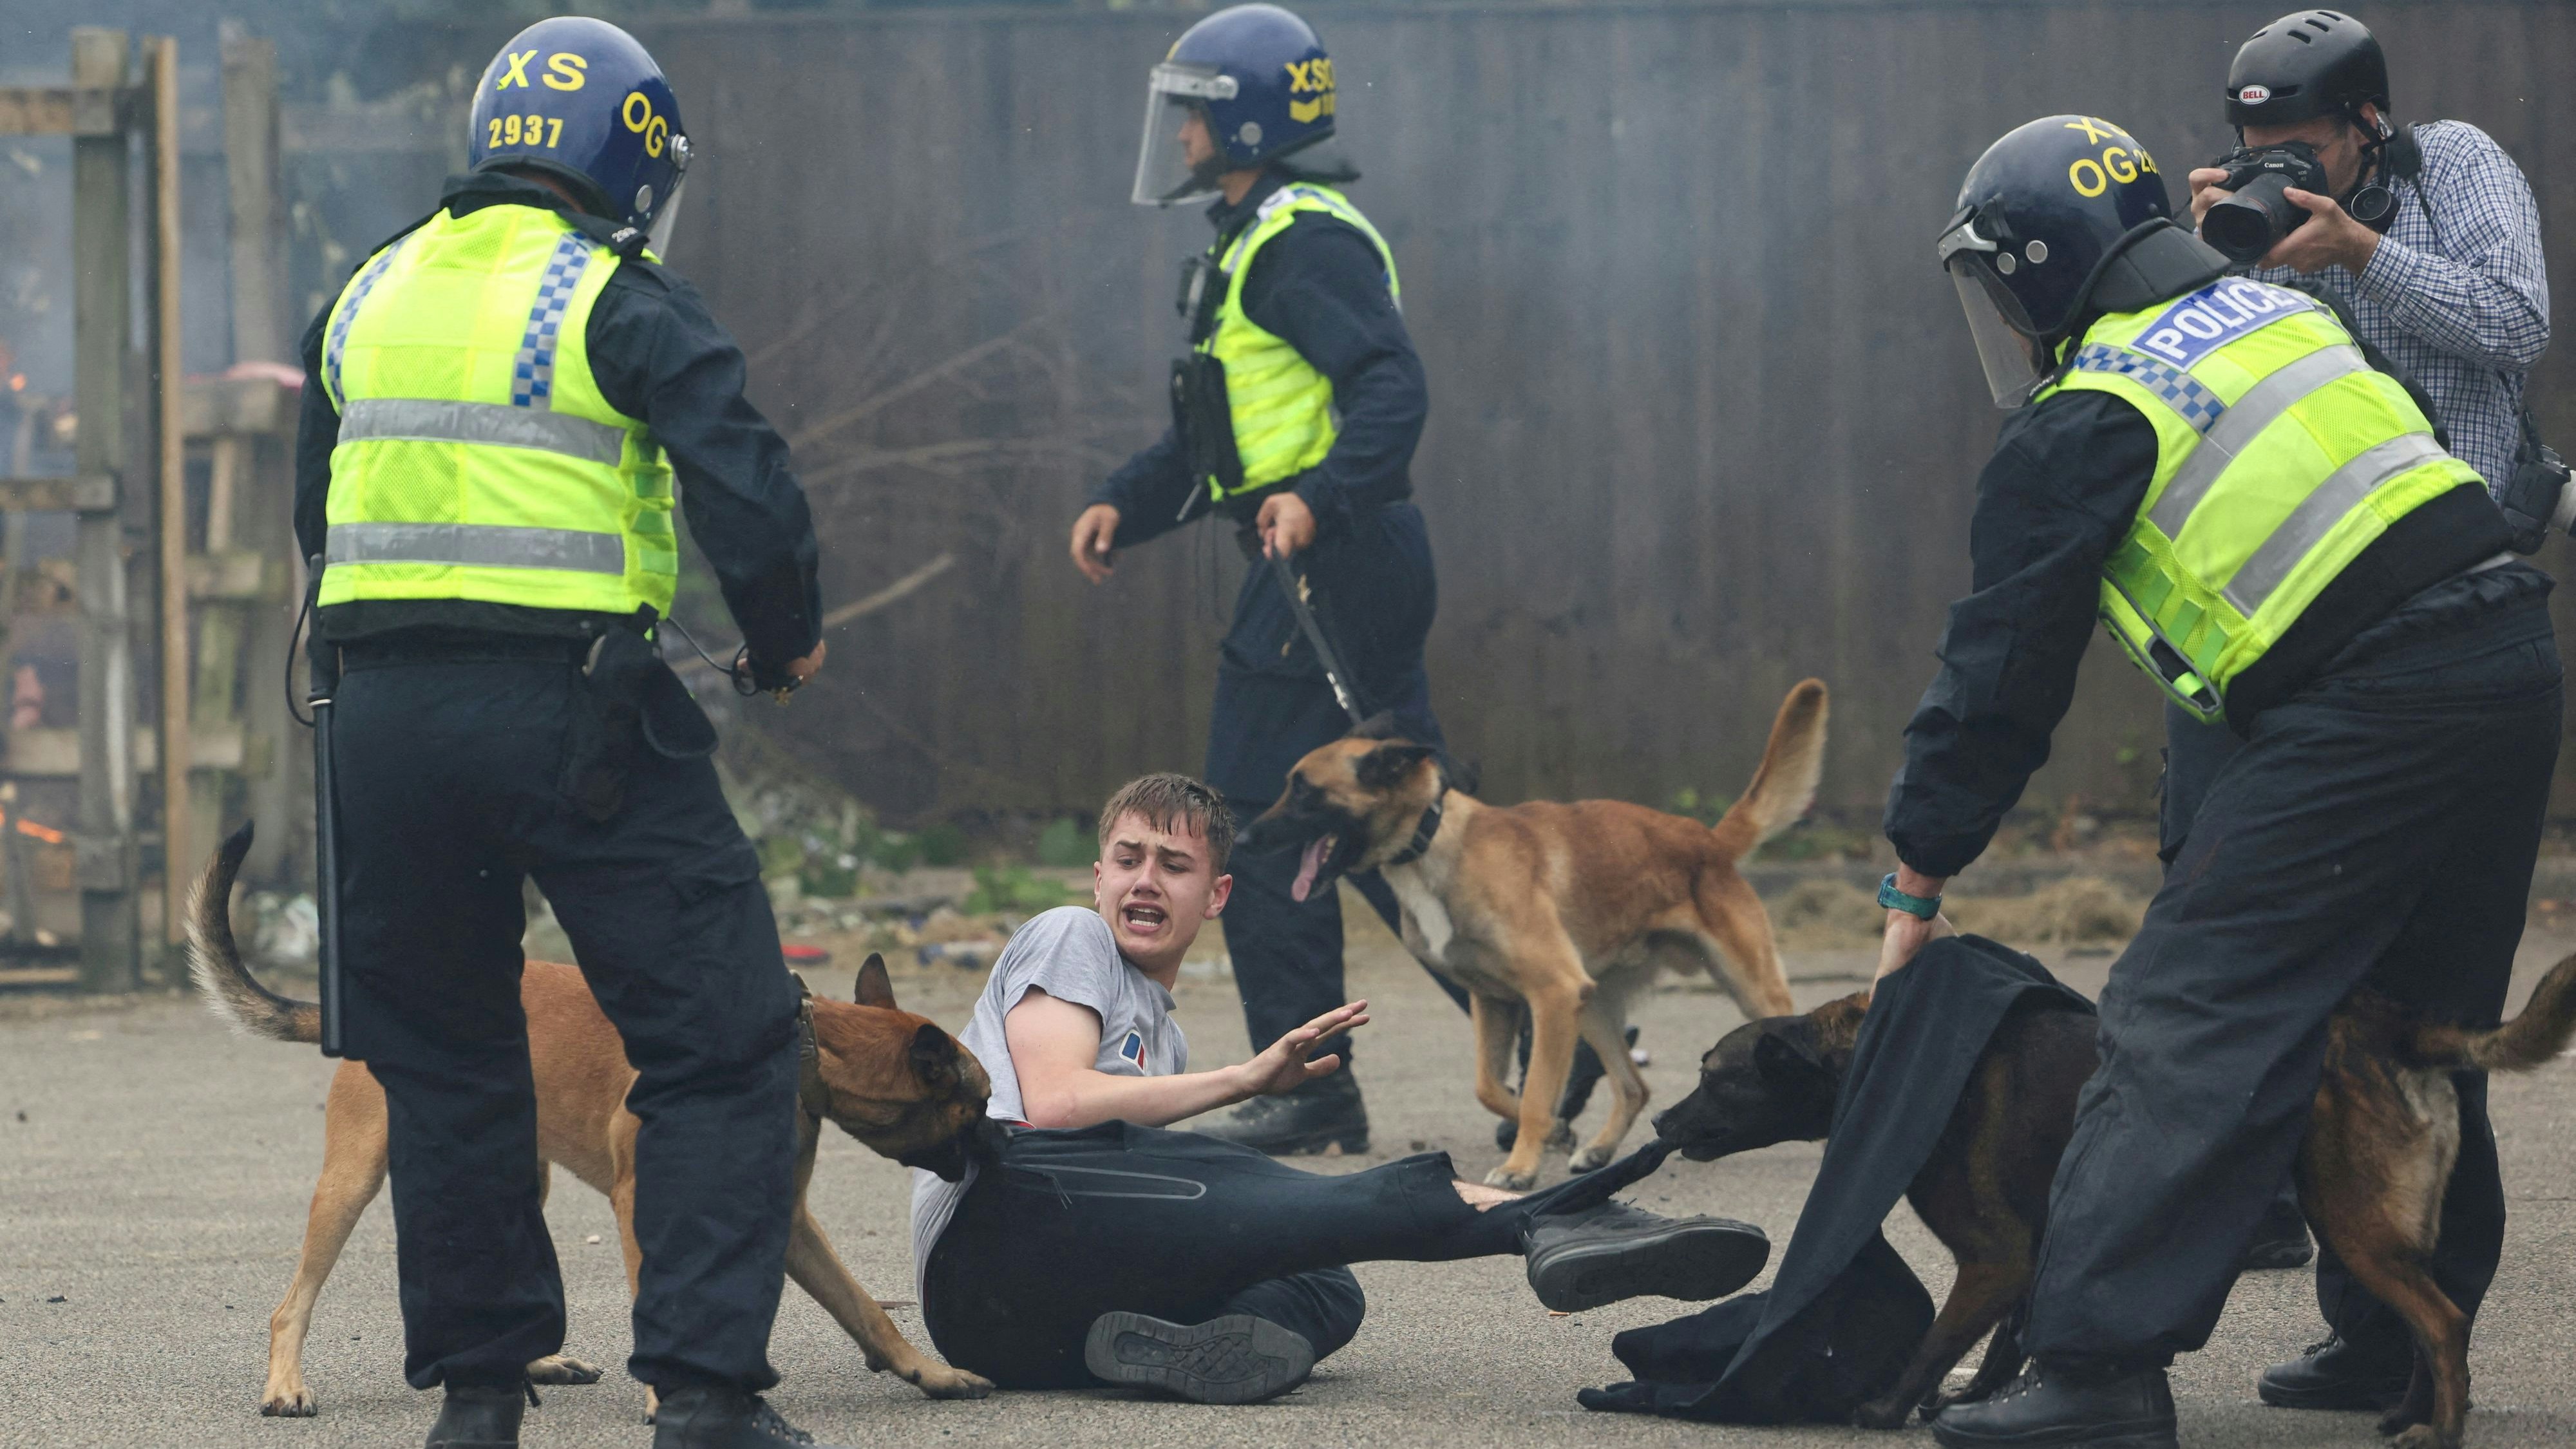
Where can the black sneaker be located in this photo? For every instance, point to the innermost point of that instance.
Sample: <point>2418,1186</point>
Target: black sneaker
<point>1237,1359</point>
<point>1323,1115</point>
<point>1610,1251</point>
<point>2045,1408</point>
<point>2280,1240</point>
<point>479,1416</point>
<point>2336,1375</point>
<point>706,1416</point>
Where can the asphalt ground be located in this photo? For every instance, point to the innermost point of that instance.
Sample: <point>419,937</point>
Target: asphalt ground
<point>154,1172</point>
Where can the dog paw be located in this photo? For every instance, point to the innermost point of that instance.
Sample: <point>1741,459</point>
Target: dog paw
<point>560,1368</point>
<point>1590,1159</point>
<point>2423,1436</point>
<point>1882,1414</point>
<point>1510,1181</point>
<point>2402,1418</point>
<point>942,1382</point>
<point>292,1402</point>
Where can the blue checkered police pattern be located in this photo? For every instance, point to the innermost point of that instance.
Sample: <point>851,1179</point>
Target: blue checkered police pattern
<point>532,380</point>
<point>2182,392</point>
<point>338,341</point>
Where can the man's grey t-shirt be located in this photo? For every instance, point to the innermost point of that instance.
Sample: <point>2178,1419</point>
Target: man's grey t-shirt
<point>1069,954</point>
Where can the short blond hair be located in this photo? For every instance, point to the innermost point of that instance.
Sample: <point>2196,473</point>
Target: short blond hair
<point>1163,800</point>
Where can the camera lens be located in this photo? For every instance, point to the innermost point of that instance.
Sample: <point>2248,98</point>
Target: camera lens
<point>2253,221</point>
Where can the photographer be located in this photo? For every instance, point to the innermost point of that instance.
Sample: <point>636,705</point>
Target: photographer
<point>2426,240</point>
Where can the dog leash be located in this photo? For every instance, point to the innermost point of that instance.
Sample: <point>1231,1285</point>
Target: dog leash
<point>1295,588</point>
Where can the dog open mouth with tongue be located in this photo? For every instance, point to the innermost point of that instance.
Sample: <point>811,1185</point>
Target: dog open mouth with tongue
<point>1311,865</point>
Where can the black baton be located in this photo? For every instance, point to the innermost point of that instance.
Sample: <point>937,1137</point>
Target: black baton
<point>324,681</point>
<point>1290,585</point>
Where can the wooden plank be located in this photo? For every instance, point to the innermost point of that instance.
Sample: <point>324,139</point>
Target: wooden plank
<point>214,407</point>
<point>111,928</point>
<point>54,754</point>
<point>261,329</point>
<point>79,493</point>
<point>237,577</point>
<point>170,524</point>
<point>23,976</point>
<point>64,110</point>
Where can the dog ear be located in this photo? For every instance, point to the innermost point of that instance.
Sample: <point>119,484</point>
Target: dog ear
<point>934,1058</point>
<point>874,989</point>
<point>1787,1058</point>
<point>1385,767</point>
<point>1379,726</point>
<point>1464,778</point>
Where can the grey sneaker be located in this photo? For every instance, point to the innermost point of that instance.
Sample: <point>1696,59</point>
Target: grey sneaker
<point>1611,1251</point>
<point>1322,1115</point>
<point>1237,1359</point>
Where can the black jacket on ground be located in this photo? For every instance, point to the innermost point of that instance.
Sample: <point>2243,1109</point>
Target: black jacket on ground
<point>1845,1313</point>
<point>659,356</point>
<point>1320,286</point>
<point>2067,477</point>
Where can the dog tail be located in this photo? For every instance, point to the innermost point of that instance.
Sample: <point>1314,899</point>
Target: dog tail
<point>215,964</point>
<point>2541,1032</point>
<point>1786,784</point>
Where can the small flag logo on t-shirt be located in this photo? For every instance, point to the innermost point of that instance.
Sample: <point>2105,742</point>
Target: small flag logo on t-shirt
<point>1133,1049</point>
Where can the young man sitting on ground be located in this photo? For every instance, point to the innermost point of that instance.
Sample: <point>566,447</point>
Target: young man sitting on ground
<point>1099,1249</point>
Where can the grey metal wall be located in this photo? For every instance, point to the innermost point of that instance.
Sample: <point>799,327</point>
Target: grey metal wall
<point>1705,419</point>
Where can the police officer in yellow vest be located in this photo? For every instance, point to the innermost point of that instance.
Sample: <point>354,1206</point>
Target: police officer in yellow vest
<point>2268,527</point>
<point>1296,412</point>
<point>501,409</point>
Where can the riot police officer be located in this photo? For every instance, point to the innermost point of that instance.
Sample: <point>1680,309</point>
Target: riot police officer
<point>1296,413</point>
<point>502,408</point>
<point>2266,523</point>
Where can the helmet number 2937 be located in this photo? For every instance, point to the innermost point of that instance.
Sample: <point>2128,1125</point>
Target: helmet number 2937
<point>529,130</point>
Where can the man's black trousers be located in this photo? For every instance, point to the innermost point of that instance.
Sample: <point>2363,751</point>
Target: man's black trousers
<point>2380,826</point>
<point>1069,1225</point>
<point>451,792</point>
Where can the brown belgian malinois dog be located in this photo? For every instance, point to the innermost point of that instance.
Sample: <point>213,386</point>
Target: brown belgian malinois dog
<point>2382,1137</point>
<point>893,1080</point>
<point>1560,913</point>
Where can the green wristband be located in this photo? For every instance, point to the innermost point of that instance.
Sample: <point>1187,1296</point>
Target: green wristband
<point>1921,907</point>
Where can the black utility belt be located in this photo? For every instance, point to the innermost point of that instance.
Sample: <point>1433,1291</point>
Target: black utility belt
<point>383,651</point>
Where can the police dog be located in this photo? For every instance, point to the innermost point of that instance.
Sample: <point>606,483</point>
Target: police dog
<point>893,1080</point>
<point>1553,913</point>
<point>2382,1136</point>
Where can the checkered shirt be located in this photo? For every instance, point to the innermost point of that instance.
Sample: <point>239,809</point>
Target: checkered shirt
<point>2455,294</point>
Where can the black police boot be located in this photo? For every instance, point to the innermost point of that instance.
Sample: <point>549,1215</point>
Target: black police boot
<point>1236,1359</point>
<point>2048,1407</point>
<point>2338,1375</point>
<point>720,1416</point>
<point>1610,1251</point>
<point>479,1416</point>
<point>1324,1114</point>
<point>2281,1239</point>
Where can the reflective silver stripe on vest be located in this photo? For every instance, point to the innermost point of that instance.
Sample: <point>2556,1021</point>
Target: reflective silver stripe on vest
<point>428,420</point>
<point>2321,510</point>
<point>2262,405</point>
<point>476,545</point>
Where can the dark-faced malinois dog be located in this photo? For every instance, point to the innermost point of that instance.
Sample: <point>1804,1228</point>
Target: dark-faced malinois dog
<point>893,1080</point>
<point>1554,913</point>
<point>2382,1137</point>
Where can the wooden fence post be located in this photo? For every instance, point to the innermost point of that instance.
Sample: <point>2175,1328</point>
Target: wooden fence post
<point>111,930</point>
<point>170,519</point>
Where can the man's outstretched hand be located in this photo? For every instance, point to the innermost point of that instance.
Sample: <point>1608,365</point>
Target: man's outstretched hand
<point>1284,1068</point>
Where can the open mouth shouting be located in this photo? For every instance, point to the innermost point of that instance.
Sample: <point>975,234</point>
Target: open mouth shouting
<point>1143,920</point>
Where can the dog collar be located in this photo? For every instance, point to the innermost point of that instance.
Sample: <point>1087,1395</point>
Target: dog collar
<point>811,1093</point>
<point>1423,829</point>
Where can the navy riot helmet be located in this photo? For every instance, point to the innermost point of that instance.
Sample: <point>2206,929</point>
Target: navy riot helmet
<point>1257,78</point>
<point>2040,216</point>
<point>580,100</point>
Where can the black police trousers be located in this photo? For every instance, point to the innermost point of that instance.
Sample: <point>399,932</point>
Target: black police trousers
<point>2378,827</point>
<point>1068,1225</point>
<point>451,792</point>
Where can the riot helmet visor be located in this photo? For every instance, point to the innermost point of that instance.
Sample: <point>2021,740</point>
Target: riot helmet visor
<point>1996,320</point>
<point>665,221</point>
<point>1179,159</point>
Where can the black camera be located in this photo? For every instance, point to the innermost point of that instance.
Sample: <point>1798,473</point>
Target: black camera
<point>2250,223</point>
